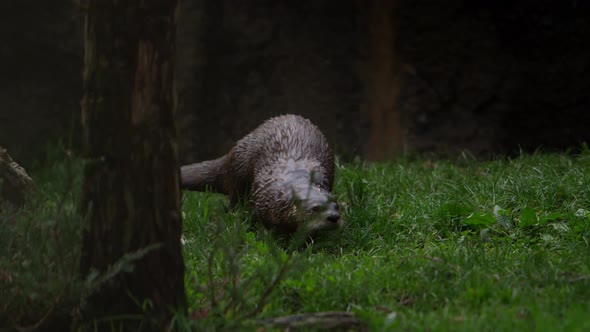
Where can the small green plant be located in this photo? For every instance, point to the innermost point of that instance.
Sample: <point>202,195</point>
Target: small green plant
<point>233,278</point>
<point>40,249</point>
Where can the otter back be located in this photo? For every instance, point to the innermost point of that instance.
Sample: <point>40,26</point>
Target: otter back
<point>285,167</point>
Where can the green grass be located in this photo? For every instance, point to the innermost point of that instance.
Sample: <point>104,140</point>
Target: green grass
<point>422,248</point>
<point>428,244</point>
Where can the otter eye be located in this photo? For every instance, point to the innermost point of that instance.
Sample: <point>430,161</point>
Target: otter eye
<point>317,208</point>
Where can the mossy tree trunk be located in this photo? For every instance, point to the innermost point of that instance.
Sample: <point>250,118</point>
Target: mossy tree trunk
<point>130,192</point>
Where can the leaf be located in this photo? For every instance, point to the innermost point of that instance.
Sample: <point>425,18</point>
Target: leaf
<point>528,217</point>
<point>502,218</point>
<point>390,319</point>
<point>454,210</point>
<point>484,235</point>
<point>477,219</point>
<point>551,218</point>
<point>581,213</point>
<point>560,227</point>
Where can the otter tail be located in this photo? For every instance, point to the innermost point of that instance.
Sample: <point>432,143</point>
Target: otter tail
<point>207,175</point>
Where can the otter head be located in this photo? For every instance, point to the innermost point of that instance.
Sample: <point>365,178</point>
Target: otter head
<point>314,208</point>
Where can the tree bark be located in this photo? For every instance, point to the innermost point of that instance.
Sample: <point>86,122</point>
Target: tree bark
<point>382,82</point>
<point>130,192</point>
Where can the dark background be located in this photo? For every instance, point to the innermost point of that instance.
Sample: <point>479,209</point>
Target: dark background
<point>491,77</point>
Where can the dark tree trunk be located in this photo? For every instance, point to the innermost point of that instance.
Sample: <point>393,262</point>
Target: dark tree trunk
<point>131,186</point>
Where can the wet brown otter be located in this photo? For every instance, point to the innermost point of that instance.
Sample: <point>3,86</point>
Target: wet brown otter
<point>285,167</point>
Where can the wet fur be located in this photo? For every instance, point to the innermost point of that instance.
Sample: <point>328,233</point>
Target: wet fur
<point>285,167</point>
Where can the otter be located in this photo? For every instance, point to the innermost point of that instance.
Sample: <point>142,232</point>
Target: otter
<point>285,168</point>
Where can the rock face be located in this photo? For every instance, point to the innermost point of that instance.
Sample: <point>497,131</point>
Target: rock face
<point>491,76</point>
<point>494,76</point>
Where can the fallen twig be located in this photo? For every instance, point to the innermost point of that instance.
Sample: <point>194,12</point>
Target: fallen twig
<point>321,320</point>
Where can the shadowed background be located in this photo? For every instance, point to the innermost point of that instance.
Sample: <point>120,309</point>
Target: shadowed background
<point>379,78</point>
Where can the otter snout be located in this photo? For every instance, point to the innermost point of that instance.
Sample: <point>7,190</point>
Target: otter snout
<point>332,213</point>
<point>325,216</point>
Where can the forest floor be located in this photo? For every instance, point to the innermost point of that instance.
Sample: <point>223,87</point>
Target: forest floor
<point>427,244</point>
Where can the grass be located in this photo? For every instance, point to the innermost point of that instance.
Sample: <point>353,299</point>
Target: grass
<point>439,245</point>
<point>428,244</point>
<point>39,251</point>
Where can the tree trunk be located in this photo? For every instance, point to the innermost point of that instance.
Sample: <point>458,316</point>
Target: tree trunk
<point>131,192</point>
<point>382,81</point>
